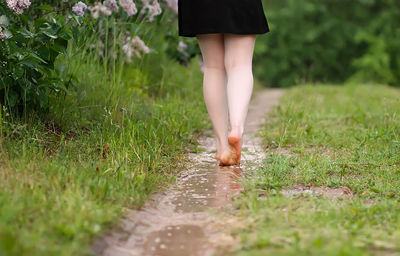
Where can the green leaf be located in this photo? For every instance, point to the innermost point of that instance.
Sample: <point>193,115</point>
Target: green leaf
<point>49,31</point>
<point>35,57</point>
<point>43,99</point>
<point>65,34</point>
<point>4,21</point>
<point>25,33</point>
<point>39,22</point>
<point>44,7</point>
<point>17,72</point>
<point>7,33</point>
<point>12,98</point>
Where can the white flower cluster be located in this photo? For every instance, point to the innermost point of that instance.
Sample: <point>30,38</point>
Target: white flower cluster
<point>79,8</point>
<point>112,5</point>
<point>182,48</point>
<point>99,8</point>
<point>107,7</point>
<point>128,6</point>
<point>153,8</point>
<point>134,47</point>
<point>18,6</point>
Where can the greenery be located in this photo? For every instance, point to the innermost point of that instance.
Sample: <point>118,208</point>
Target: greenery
<point>330,137</point>
<point>28,75</point>
<point>69,171</point>
<point>330,41</point>
<point>92,123</point>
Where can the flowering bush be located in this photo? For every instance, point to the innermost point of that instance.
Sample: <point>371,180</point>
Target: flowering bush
<point>32,36</point>
<point>28,50</point>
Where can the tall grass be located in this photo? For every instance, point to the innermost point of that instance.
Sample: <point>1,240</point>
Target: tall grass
<point>65,176</point>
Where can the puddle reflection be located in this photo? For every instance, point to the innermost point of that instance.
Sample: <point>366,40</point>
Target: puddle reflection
<point>179,240</point>
<point>227,184</point>
<point>209,185</point>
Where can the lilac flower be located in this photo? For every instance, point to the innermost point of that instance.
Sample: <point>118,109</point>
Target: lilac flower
<point>79,8</point>
<point>154,9</point>
<point>112,5</point>
<point>99,8</point>
<point>133,47</point>
<point>18,6</point>
<point>182,48</point>
<point>128,6</point>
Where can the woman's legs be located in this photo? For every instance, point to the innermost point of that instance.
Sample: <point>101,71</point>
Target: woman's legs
<point>238,64</point>
<point>227,84</point>
<point>214,86</point>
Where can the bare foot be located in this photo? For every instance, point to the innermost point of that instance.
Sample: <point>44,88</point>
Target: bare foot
<point>236,145</point>
<point>231,155</point>
<point>227,157</point>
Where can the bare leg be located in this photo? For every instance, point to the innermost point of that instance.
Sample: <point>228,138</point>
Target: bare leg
<point>214,86</point>
<point>238,63</point>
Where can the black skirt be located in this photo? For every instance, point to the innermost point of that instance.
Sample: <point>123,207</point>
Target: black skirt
<point>221,16</point>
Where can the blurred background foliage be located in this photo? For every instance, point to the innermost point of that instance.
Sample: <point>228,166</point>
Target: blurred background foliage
<point>331,41</point>
<point>47,37</point>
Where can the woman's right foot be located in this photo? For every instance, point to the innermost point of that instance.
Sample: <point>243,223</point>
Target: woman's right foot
<point>236,145</point>
<point>231,155</point>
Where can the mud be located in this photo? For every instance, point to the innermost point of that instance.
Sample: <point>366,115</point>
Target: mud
<point>192,217</point>
<point>341,192</point>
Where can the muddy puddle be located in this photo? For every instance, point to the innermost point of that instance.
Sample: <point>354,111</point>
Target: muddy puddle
<point>190,218</point>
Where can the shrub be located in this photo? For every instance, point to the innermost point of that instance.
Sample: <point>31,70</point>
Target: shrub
<point>330,41</point>
<point>28,51</point>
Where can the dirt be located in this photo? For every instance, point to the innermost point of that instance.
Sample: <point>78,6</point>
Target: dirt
<point>192,217</point>
<point>340,192</point>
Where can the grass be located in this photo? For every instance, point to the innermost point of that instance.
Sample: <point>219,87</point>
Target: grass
<point>68,175</point>
<point>332,137</point>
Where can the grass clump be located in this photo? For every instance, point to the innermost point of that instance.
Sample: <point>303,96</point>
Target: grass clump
<point>330,137</point>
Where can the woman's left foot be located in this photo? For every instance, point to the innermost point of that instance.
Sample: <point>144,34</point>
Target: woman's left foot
<point>228,157</point>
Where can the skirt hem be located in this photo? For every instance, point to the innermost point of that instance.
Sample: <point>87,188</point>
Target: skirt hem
<point>187,34</point>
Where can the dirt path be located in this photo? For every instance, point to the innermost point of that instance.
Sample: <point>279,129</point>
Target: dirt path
<point>186,219</point>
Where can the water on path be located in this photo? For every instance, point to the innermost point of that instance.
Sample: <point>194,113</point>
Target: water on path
<point>184,219</point>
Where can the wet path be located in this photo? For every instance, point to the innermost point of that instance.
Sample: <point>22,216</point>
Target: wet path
<point>183,220</point>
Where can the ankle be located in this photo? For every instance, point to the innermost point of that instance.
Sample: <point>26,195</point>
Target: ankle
<point>236,131</point>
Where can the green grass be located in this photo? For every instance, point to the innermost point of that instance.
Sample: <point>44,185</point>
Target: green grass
<point>329,136</point>
<point>68,175</point>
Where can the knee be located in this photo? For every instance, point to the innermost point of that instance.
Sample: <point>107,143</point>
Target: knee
<point>215,65</point>
<point>234,63</point>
